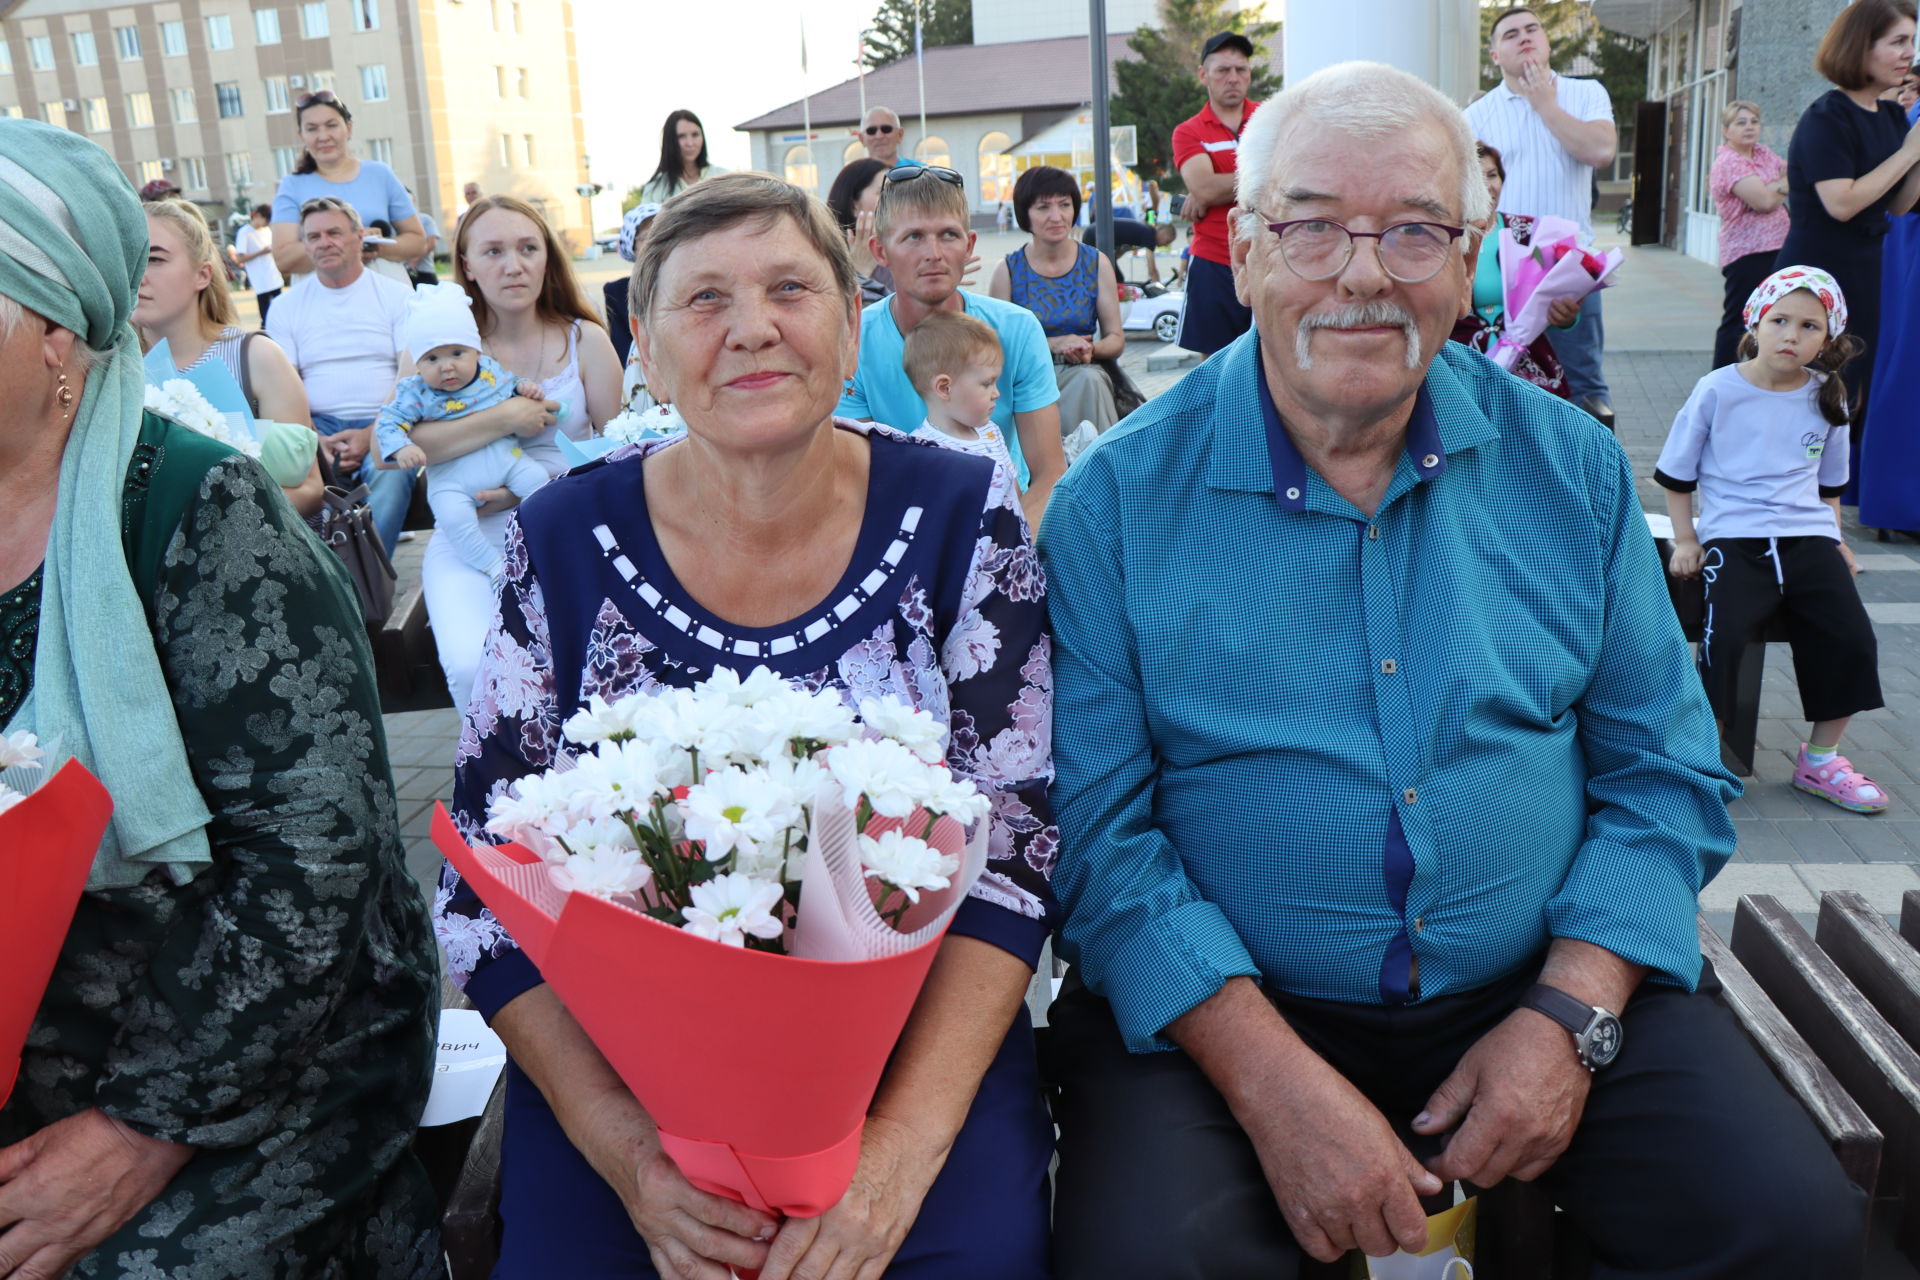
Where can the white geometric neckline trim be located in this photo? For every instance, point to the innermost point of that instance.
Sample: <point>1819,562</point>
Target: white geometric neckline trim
<point>822,624</point>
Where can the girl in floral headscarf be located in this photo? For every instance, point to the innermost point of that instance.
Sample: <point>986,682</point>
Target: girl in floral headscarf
<point>1764,442</point>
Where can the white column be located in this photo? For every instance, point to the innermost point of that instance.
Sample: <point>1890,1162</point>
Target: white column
<point>1437,40</point>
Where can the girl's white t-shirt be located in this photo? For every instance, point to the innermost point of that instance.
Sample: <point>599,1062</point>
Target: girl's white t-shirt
<point>1760,458</point>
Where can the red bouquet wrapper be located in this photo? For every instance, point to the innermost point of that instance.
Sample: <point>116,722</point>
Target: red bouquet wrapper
<point>757,1068</point>
<point>47,843</point>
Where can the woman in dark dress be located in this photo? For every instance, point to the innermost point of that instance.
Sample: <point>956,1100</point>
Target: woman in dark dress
<point>1854,162</point>
<point>844,556</point>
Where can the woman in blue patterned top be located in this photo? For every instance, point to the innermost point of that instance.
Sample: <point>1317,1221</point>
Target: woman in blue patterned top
<point>1072,288</point>
<point>842,555</point>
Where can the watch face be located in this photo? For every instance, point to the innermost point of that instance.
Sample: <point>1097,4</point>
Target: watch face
<point>1602,1041</point>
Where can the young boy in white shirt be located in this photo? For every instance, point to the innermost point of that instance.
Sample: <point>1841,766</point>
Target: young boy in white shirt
<point>953,361</point>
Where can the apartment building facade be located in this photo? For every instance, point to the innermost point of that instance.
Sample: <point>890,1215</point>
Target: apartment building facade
<point>201,92</point>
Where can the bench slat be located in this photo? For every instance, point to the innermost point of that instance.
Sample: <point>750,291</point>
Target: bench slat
<point>1874,958</point>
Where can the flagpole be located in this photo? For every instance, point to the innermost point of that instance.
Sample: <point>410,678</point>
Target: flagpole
<point>806,109</point>
<point>920,70</point>
<point>860,65</point>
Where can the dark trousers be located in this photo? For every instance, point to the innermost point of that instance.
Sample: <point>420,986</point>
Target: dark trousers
<point>1743,275</point>
<point>1213,316</point>
<point>263,301</point>
<point>1835,657</point>
<point>1690,1162</point>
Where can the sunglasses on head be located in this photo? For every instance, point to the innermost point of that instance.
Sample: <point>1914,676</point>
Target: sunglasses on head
<point>318,95</point>
<point>908,172</point>
<point>878,128</point>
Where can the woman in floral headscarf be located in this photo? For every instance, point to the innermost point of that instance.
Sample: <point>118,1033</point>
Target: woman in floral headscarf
<point>236,1044</point>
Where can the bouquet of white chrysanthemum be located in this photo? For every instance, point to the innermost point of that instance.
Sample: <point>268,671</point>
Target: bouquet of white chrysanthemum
<point>630,426</point>
<point>19,750</point>
<point>680,881</point>
<point>180,400</point>
<point>700,804</point>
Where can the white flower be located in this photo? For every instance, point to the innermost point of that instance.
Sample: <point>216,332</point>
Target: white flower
<point>634,425</point>
<point>535,805</point>
<point>600,720</point>
<point>907,863</point>
<point>725,684</point>
<point>727,908</point>
<point>618,778</point>
<point>9,797</point>
<point>957,798</point>
<point>891,718</point>
<point>179,399</point>
<point>735,809</point>
<point>889,775</point>
<point>602,872</point>
<point>20,750</point>
<point>814,717</point>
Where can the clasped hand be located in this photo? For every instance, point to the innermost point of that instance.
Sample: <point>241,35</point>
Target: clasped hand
<point>71,1185</point>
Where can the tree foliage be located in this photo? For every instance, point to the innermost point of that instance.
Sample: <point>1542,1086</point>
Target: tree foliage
<point>942,22</point>
<point>1158,89</point>
<point>1617,61</point>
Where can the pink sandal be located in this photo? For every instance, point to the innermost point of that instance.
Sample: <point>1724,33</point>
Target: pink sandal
<point>1837,781</point>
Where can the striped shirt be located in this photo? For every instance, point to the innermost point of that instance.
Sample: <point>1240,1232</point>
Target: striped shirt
<point>1543,178</point>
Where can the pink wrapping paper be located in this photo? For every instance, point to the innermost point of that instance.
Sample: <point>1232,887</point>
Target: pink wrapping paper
<point>1531,282</point>
<point>47,843</point>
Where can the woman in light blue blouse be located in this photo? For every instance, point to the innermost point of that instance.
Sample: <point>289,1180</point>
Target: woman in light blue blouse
<point>328,167</point>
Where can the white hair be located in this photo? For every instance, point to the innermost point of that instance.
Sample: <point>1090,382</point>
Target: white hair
<point>1360,100</point>
<point>81,356</point>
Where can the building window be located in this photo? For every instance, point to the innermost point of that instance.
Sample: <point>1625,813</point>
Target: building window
<point>523,82</point>
<point>513,14</point>
<point>313,20</point>
<point>185,109</point>
<point>140,111</point>
<point>193,174</point>
<point>127,40</point>
<point>800,168</point>
<point>319,80</point>
<point>95,114</point>
<point>149,171</point>
<point>12,113</point>
<point>277,102</point>
<point>499,82</point>
<point>85,53</point>
<point>526,149</point>
<point>239,170</point>
<point>266,26</point>
<point>366,14</point>
<point>6,57</point>
<point>996,169</point>
<point>219,31</point>
<point>284,158</point>
<point>506,149</point>
<point>40,52</point>
<point>496,14</point>
<point>173,39</point>
<point>56,115</point>
<point>227,94</point>
<point>381,149</point>
<point>933,151</point>
<point>373,83</point>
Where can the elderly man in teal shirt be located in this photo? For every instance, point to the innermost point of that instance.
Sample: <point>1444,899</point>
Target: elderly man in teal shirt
<point>1386,788</point>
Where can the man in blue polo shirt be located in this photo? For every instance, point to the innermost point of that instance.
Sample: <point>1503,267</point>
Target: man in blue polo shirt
<point>920,232</point>
<point>1386,787</point>
<point>881,134</point>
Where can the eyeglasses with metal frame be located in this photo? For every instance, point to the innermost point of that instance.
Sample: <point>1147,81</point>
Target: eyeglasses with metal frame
<point>1320,248</point>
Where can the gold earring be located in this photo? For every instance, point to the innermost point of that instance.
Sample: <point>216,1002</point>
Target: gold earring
<point>63,393</point>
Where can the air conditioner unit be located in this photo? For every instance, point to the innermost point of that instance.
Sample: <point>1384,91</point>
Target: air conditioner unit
<point>68,104</point>
<point>296,82</point>
<point>166,166</point>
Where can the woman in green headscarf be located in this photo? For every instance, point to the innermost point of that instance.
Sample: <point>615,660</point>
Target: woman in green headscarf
<point>237,1041</point>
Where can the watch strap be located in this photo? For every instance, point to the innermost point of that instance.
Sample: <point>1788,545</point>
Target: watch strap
<point>1569,1011</point>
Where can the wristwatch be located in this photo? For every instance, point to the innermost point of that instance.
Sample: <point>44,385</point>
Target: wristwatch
<point>1596,1033</point>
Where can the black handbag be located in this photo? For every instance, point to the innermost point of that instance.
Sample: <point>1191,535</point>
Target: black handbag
<point>345,523</point>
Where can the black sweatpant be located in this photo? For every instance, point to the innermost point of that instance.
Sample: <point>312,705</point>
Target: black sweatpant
<point>1691,1161</point>
<point>1835,657</point>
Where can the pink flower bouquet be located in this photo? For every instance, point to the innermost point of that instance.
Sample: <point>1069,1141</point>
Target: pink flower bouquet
<point>738,895</point>
<point>1533,276</point>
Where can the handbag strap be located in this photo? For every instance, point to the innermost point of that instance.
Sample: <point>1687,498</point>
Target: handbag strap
<point>246,373</point>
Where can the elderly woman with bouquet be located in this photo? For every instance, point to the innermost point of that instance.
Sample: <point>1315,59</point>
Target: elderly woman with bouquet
<point>227,1066</point>
<point>845,557</point>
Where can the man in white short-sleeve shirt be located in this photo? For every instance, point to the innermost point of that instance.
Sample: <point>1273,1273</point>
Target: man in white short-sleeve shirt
<point>341,327</point>
<point>1552,132</point>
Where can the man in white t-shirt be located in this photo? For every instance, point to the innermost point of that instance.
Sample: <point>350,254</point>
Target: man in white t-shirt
<point>253,250</point>
<point>341,327</point>
<point>1552,132</point>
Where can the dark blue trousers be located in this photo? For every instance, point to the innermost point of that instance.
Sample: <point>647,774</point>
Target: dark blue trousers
<point>1214,316</point>
<point>985,1216</point>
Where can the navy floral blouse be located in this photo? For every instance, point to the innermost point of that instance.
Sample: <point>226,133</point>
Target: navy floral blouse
<point>942,605</point>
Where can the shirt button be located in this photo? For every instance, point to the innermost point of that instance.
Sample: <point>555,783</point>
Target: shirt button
<point>1373,533</point>
<point>1419,923</point>
<point>1430,461</point>
<point>1388,666</point>
<point>1293,495</point>
<point>1410,796</point>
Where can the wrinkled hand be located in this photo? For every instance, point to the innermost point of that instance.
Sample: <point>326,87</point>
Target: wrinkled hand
<point>1516,1096</point>
<point>350,447</point>
<point>73,1184</point>
<point>491,502</point>
<point>1340,1176</point>
<point>857,1238</point>
<point>1685,560</point>
<point>1562,312</point>
<point>1536,85</point>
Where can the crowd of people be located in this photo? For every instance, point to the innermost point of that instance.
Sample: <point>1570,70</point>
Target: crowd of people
<point>1367,806</point>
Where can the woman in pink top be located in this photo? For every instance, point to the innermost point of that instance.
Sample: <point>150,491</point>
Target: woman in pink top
<point>1749,185</point>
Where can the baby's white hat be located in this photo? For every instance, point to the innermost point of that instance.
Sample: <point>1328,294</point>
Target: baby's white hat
<point>440,315</point>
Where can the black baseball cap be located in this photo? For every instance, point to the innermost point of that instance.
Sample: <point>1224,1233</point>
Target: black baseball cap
<point>1226,40</point>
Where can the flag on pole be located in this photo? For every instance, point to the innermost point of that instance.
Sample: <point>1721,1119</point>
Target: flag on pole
<point>803,45</point>
<point>860,65</point>
<point>806,113</point>
<point>920,68</point>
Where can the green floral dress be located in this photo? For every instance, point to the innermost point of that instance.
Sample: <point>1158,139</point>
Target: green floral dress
<point>277,1013</point>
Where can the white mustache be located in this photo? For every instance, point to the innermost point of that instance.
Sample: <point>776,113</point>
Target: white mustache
<point>1359,315</point>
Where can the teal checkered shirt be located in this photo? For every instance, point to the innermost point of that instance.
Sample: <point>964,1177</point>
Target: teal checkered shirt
<point>1253,680</point>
